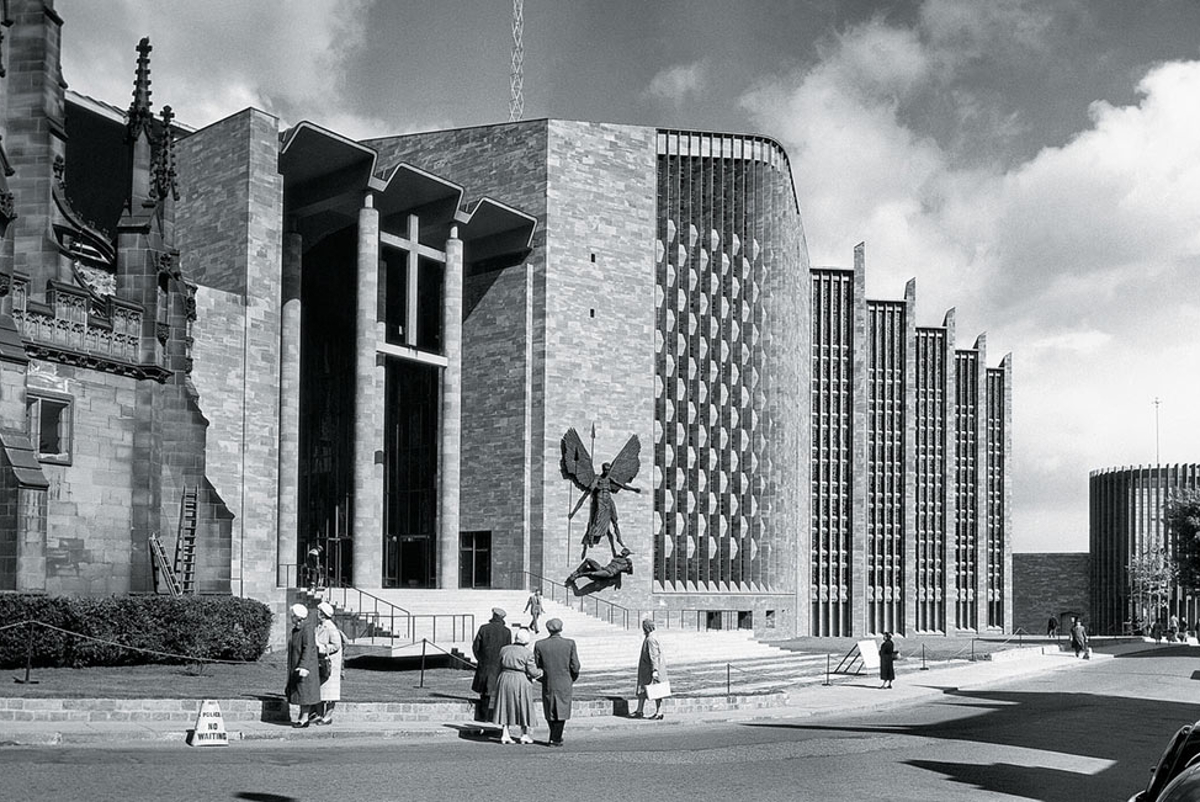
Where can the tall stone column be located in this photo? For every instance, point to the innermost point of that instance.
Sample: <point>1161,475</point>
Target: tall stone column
<point>450,429</point>
<point>368,402</point>
<point>289,409</point>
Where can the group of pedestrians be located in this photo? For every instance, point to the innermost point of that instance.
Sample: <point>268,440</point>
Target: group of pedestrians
<point>506,668</point>
<point>315,658</point>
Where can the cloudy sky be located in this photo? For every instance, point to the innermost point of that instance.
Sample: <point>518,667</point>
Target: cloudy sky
<point>1035,165</point>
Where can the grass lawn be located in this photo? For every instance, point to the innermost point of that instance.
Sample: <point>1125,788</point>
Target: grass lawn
<point>365,680</point>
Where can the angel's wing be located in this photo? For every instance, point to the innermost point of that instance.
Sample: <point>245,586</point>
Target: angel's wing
<point>626,464</point>
<point>576,461</point>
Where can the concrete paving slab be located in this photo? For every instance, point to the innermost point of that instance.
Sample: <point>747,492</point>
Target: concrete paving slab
<point>843,695</point>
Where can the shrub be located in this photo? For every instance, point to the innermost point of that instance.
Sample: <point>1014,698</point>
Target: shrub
<point>181,629</point>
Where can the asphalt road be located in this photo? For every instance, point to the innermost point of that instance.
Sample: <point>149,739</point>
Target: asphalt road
<point>1088,734</point>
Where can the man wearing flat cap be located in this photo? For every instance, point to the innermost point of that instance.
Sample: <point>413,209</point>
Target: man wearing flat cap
<point>558,659</point>
<point>491,638</point>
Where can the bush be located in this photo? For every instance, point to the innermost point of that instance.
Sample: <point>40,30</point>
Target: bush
<point>183,629</point>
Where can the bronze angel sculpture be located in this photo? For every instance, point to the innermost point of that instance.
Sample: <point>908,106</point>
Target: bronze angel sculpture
<point>614,476</point>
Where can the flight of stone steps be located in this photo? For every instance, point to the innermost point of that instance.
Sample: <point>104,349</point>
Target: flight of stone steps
<point>716,677</point>
<point>602,646</point>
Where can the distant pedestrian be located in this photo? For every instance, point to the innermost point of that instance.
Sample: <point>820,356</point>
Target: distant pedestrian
<point>1079,638</point>
<point>1156,631</point>
<point>652,669</point>
<point>1172,627</point>
<point>313,566</point>
<point>303,684</point>
<point>514,690</point>
<point>534,607</point>
<point>1052,627</point>
<point>887,660</point>
<point>331,647</point>
<point>558,659</point>
<point>491,638</point>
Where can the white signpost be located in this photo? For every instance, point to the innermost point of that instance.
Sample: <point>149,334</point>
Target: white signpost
<point>210,726</point>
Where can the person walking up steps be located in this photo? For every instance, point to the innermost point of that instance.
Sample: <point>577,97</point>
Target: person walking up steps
<point>534,607</point>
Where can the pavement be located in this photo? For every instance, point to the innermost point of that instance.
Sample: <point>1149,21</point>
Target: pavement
<point>813,693</point>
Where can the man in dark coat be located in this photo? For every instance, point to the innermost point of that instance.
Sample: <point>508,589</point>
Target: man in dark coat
<point>491,638</point>
<point>1079,638</point>
<point>304,681</point>
<point>558,659</point>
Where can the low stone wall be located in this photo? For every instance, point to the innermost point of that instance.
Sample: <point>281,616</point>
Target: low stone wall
<point>184,711</point>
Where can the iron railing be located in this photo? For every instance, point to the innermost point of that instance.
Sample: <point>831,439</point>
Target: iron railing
<point>557,592</point>
<point>686,619</point>
<point>380,618</point>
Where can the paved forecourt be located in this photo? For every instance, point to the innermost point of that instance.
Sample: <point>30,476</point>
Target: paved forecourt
<point>758,688</point>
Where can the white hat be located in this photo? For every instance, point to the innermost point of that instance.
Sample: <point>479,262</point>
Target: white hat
<point>300,611</point>
<point>326,609</point>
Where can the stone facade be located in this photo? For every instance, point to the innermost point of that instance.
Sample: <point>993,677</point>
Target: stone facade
<point>101,427</point>
<point>274,320</point>
<point>230,225</point>
<point>1050,584</point>
<point>504,332</point>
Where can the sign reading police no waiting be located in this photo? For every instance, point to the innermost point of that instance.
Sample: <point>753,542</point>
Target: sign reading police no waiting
<point>210,726</point>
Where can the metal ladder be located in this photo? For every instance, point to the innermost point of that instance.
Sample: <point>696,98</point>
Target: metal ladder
<point>162,568</point>
<point>185,542</point>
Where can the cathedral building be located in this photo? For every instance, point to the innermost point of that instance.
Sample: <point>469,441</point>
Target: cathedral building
<point>290,340</point>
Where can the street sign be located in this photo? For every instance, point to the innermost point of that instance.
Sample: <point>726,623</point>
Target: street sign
<point>210,726</point>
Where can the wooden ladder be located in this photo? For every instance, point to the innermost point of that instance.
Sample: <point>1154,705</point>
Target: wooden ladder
<point>185,542</point>
<point>162,568</point>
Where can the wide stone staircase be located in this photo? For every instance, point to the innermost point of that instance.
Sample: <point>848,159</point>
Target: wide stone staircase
<point>400,623</point>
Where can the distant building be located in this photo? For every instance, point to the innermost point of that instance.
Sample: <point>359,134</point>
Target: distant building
<point>1125,521</point>
<point>1051,584</point>
<point>376,347</point>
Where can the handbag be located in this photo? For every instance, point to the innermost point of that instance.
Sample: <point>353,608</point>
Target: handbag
<point>658,690</point>
<point>324,667</point>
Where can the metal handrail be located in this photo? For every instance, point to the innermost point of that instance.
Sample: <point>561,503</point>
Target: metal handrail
<point>530,580</point>
<point>377,611</point>
<point>629,618</point>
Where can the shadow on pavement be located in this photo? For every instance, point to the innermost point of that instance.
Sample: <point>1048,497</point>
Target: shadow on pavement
<point>1131,733</point>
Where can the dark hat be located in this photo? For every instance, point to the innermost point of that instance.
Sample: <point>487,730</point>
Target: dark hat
<point>498,612</point>
<point>554,625</point>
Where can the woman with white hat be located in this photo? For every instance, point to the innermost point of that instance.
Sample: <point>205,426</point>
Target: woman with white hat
<point>330,646</point>
<point>514,691</point>
<point>303,685</point>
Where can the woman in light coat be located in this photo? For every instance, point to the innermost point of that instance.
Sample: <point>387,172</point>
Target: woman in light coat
<point>514,689</point>
<point>652,668</point>
<point>329,645</point>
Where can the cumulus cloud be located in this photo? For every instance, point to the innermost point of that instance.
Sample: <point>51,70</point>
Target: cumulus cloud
<point>217,58</point>
<point>1084,260</point>
<point>676,84</point>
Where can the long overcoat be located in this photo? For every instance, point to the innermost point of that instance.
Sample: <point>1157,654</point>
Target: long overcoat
<point>302,653</point>
<point>558,659</point>
<point>330,642</point>
<point>651,660</point>
<point>489,640</point>
<point>887,660</point>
